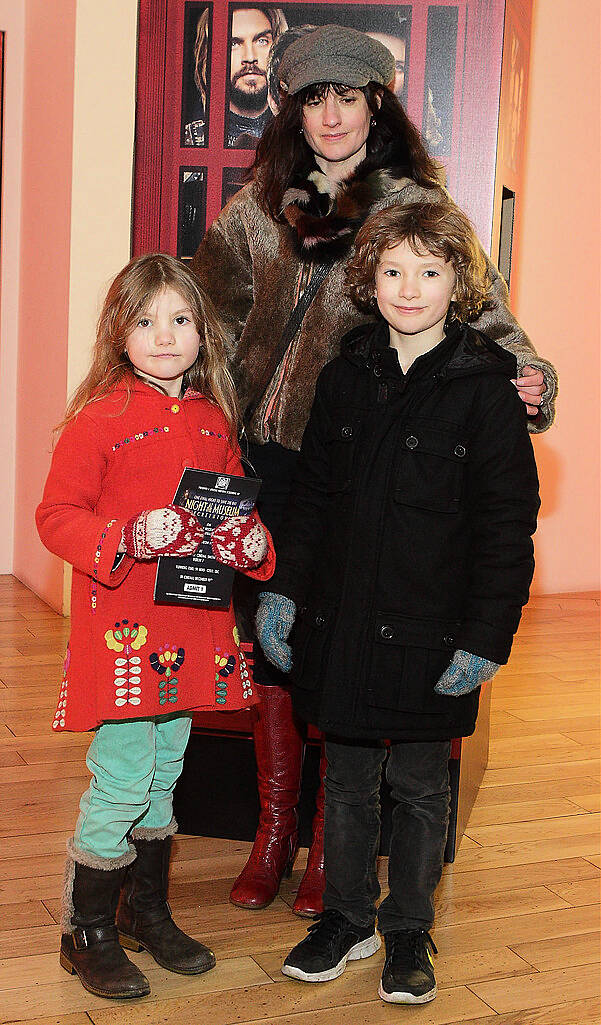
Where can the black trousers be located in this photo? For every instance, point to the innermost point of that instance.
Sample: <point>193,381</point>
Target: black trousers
<point>419,779</point>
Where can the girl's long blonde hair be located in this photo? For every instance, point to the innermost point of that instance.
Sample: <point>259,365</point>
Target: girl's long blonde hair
<point>128,298</point>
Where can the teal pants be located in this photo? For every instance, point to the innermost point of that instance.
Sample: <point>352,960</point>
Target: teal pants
<point>135,766</point>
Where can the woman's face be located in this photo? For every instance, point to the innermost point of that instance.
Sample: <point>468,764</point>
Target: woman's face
<point>336,127</point>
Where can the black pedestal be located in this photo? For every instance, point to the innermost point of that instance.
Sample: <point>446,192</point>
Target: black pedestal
<point>217,792</point>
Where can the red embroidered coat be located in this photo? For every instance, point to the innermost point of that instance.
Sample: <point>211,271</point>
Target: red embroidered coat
<point>127,657</point>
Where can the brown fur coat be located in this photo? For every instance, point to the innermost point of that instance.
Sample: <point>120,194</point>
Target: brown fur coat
<point>251,267</point>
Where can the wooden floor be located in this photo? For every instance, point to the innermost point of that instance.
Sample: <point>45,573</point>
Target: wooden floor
<point>517,914</point>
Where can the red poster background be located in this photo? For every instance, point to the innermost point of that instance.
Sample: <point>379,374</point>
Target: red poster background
<point>159,156</point>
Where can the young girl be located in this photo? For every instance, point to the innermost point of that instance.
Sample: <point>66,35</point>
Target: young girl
<point>157,398</point>
<point>405,560</point>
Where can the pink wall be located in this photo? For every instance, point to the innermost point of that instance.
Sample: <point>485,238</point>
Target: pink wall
<point>12,24</point>
<point>44,291</point>
<point>556,290</point>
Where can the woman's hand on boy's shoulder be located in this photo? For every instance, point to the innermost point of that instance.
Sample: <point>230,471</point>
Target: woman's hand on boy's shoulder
<point>531,387</point>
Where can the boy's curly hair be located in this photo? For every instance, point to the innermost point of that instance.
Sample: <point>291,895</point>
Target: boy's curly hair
<point>437,228</point>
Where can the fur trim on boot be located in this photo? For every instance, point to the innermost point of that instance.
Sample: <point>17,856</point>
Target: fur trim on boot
<point>76,855</point>
<point>90,945</point>
<point>160,833</point>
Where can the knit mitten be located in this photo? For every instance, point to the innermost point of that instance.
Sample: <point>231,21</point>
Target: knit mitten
<point>465,673</point>
<point>167,531</point>
<point>274,621</point>
<point>240,542</point>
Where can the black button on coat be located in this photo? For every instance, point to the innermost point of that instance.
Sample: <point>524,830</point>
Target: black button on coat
<point>408,534</point>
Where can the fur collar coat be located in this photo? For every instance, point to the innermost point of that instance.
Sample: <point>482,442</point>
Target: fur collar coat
<point>254,269</point>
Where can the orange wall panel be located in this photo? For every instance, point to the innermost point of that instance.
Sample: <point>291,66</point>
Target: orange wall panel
<point>555,287</point>
<point>12,24</point>
<point>556,284</point>
<point>44,262</point>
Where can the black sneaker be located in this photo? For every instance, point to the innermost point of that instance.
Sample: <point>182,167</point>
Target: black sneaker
<point>332,941</point>
<point>408,976</point>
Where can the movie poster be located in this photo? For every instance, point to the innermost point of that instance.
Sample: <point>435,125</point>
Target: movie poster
<point>196,75</point>
<point>208,87</point>
<point>255,49</point>
<point>191,211</point>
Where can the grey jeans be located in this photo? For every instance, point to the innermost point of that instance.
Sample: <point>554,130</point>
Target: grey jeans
<point>419,779</point>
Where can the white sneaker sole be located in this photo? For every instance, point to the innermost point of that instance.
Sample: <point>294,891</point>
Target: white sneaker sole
<point>406,998</point>
<point>363,949</point>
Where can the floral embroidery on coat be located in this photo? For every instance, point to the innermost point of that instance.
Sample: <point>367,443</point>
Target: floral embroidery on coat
<point>61,708</point>
<point>225,665</point>
<point>245,676</point>
<point>166,661</point>
<point>126,639</point>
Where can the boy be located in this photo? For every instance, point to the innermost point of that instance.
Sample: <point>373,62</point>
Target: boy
<point>408,561</point>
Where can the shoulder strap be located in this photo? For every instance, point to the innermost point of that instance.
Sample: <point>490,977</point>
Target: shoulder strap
<point>320,273</point>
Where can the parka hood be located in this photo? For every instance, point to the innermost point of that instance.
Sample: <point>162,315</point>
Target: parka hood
<point>469,351</point>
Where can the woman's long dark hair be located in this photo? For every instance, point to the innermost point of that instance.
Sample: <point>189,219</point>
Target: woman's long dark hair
<point>283,152</point>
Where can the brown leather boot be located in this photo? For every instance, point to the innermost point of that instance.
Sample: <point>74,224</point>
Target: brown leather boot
<point>89,944</point>
<point>309,898</point>
<point>144,916</point>
<point>279,749</point>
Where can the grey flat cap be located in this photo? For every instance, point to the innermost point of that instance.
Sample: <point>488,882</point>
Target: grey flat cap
<point>334,53</point>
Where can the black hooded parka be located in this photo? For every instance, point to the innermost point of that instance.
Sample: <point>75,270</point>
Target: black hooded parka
<point>408,534</point>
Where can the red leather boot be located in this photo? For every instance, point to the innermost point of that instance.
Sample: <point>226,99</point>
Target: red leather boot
<point>309,898</point>
<point>279,749</point>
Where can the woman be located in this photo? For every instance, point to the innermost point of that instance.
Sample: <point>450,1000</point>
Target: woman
<point>341,148</point>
